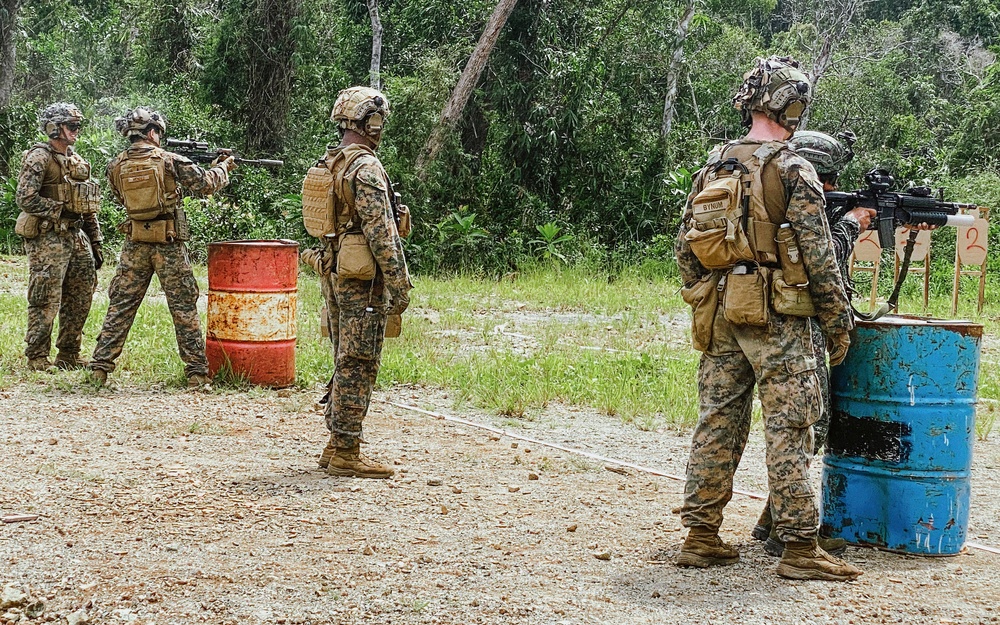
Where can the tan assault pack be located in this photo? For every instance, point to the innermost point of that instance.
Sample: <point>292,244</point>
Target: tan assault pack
<point>729,223</point>
<point>146,188</point>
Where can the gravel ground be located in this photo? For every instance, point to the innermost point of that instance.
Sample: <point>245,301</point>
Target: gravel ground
<point>163,506</point>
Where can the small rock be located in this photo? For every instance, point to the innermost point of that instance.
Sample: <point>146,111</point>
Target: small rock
<point>368,551</point>
<point>532,476</point>
<point>53,441</point>
<point>655,594</point>
<point>80,617</point>
<point>603,555</point>
<point>456,490</point>
<point>12,597</point>
<point>434,481</point>
<point>172,548</point>
<point>285,392</point>
<point>513,489</point>
<point>571,528</point>
<point>513,445</point>
<point>444,509</point>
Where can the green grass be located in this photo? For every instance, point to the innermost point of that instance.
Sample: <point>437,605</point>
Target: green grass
<point>512,347</point>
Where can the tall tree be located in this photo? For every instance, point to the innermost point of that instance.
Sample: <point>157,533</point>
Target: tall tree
<point>8,49</point>
<point>674,69</point>
<point>466,83</point>
<point>375,73</point>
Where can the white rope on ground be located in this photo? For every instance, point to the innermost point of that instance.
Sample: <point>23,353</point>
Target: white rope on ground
<point>571,450</point>
<point>587,454</point>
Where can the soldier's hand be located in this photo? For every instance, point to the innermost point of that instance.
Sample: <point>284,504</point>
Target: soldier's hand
<point>400,302</point>
<point>225,160</point>
<point>837,346</point>
<point>862,215</point>
<point>98,256</point>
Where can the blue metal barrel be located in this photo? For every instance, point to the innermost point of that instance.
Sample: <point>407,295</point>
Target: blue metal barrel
<point>898,461</point>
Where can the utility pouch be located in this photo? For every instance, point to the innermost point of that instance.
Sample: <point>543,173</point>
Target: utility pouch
<point>703,297</point>
<point>28,226</point>
<point>790,299</point>
<point>318,212</point>
<point>790,256</point>
<point>158,231</point>
<point>405,224</point>
<point>393,326</point>
<point>181,226</point>
<point>745,301</point>
<point>715,231</point>
<point>354,259</point>
<point>84,197</point>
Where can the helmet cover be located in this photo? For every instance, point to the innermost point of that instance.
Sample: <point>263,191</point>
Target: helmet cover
<point>776,86</point>
<point>54,115</point>
<point>827,154</point>
<point>361,109</point>
<point>138,120</point>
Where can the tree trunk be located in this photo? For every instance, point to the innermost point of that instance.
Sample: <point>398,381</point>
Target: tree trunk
<point>269,73</point>
<point>375,73</point>
<point>674,70</point>
<point>466,83</point>
<point>8,49</point>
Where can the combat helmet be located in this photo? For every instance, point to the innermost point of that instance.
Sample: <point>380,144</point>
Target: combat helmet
<point>828,155</point>
<point>54,115</point>
<point>776,86</point>
<point>361,109</point>
<point>137,121</point>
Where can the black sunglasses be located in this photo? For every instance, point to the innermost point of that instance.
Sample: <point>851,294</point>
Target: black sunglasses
<point>73,126</point>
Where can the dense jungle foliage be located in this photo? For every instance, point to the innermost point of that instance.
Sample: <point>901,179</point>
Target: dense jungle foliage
<point>560,155</point>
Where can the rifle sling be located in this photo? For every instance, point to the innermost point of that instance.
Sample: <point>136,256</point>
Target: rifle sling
<point>904,268</point>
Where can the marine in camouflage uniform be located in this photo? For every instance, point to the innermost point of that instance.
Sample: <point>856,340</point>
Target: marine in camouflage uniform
<point>358,308</point>
<point>828,156</point>
<point>168,259</point>
<point>65,252</point>
<point>777,357</point>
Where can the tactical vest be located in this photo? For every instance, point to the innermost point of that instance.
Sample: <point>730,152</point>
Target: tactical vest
<point>328,191</point>
<point>737,205</point>
<point>145,183</point>
<point>66,179</point>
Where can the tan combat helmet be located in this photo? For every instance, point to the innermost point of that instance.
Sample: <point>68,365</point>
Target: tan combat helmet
<point>54,115</point>
<point>776,86</point>
<point>137,121</point>
<point>363,110</point>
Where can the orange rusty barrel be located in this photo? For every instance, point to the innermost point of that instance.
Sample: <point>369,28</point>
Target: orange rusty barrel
<point>251,309</point>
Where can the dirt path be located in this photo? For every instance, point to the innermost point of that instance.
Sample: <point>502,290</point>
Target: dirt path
<point>173,507</point>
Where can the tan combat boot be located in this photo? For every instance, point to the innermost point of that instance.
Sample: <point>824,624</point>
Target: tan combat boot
<point>350,462</point>
<point>39,364</point>
<point>806,560</point>
<point>99,376</point>
<point>199,382</point>
<point>703,548</point>
<point>328,451</point>
<point>70,362</point>
<point>774,546</point>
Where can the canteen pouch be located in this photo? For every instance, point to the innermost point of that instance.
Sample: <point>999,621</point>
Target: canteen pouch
<point>393,326</point>
<point>28,226</point>
<point>405,224</point>
<point>159,231</point>
<point>354,258</point>
<point>181,226</point>
<point>790,256</point>
<point>703,297</point>
<point>790,299</point>
<point>746,295</point>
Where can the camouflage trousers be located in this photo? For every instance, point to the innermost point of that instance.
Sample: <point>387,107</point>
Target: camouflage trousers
<point>780,360</point>
<point>822,426</point>
<point>357,314</point>
<point>138,263</point>
<point>61,282</point>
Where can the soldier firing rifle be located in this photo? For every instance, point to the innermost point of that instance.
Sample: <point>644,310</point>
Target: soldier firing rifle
<point>200,152</point>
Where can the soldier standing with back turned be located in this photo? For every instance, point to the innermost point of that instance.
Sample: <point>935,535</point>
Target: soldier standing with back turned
<point>148,181</point>
<point>365,270</point>
<point>62,238</point>
<point>756,257</point>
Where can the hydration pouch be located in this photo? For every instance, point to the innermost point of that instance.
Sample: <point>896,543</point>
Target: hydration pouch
<point>405,224</point>
<point>84,197</point>
<point>745,300</point>
<point>354,258</point>
<point>715,231</point>
<point>703,297</point>
<point>318,214</point>
<point>28,226</point>
<point>790,299</point>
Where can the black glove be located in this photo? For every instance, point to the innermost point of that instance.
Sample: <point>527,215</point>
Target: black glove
<point>98,256</point>
<point>400,301</point>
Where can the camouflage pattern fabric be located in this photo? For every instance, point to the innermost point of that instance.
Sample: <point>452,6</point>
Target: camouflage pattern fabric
<point>61,282</point>
<point>357,308</point>
<point>780,359</point>
<point>138,263</point>
<point>61,278</point>
<point>170,262</point>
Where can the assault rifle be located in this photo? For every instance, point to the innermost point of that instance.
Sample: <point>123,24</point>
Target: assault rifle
<point>912,208</point>
<point>199,152</point>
